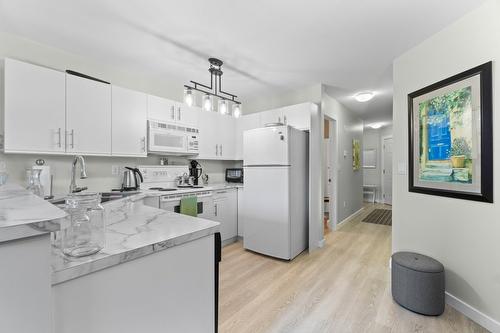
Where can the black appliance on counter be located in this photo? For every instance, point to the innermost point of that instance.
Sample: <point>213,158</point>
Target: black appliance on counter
<point>195,171</point>
<point>234,175</point>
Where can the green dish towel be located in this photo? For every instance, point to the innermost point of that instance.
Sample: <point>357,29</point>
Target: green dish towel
<point>189,206</point>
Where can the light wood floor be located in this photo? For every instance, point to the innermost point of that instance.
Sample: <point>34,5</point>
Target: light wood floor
<point>343,287</point>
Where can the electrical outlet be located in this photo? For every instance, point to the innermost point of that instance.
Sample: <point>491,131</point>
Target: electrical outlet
<point>116,170</point>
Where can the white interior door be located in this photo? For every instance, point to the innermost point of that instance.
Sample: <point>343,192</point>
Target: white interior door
<point>387,171</point>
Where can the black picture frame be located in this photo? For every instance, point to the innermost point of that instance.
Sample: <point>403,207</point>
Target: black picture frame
<point>486,141</point>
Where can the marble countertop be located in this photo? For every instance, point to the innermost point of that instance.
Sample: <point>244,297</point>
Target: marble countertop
<point>133,230</point>
<point>23,214</point>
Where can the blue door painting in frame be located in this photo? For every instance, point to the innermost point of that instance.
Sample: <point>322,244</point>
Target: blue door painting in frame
<point>450,137</point>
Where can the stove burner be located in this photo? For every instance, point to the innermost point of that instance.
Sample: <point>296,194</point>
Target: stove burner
<point>162,189</point>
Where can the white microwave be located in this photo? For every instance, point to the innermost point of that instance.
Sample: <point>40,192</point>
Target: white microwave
<point>171,138</point>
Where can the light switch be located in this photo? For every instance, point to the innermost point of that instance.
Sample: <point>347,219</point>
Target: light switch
<point>402,168</point>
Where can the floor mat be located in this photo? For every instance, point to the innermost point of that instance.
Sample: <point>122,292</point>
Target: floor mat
<point>379,216</point>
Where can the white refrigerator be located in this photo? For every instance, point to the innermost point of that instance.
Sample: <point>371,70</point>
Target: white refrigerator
<point>276,204</point>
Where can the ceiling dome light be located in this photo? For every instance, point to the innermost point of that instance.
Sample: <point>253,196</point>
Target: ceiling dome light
<point>364,96</point>
<point>222,106</point>
<point>207,102</point>
<point>188,97</point>
<point>375,126</point>
<point>236,110</point>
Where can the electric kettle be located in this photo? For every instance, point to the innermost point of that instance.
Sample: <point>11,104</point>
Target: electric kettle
<point>132,179</point>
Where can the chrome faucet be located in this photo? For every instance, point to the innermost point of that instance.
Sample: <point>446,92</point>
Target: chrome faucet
<point>83,174</point>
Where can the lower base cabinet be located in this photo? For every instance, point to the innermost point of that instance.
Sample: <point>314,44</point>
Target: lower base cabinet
<point>226,212</point>
<point>168,291</point>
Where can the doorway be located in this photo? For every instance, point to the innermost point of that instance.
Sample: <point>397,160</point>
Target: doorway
<point>329,175</point>
<point>387,170</point>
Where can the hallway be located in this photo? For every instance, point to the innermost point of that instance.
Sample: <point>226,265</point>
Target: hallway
<point>344,287</point>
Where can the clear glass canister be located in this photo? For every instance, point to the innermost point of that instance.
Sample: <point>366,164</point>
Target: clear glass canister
<point>84,232</point>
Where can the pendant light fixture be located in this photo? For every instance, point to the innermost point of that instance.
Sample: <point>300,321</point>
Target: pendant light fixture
<point>188,97</point>
<point>207,102</point>
<point>222,106</point>
<point>214,90</point>
<point>236,110</point>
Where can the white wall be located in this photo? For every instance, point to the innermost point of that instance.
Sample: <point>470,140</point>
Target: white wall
<point>99,168</point>
<point>373,139</point>
<point>349,182</point>
<point>291,97</point>
<point>463,235</point>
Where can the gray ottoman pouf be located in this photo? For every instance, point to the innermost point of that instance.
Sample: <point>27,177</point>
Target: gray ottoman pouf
<point>418,283</point>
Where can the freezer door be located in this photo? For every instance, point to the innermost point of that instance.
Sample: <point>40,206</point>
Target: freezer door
<point>266,146</point>
<point>266,211</point>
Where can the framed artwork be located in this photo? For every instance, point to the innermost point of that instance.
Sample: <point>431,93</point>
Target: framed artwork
<point>451,137</point>
<point>356,152</point>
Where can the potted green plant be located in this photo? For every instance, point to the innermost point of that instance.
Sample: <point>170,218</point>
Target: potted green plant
<point>460,150</point>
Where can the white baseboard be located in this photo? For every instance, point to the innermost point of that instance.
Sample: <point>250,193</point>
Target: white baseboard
<point>473,313</point>
<point>350,217</point>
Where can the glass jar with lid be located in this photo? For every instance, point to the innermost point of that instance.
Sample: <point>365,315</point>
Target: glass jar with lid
<point>84,231</point>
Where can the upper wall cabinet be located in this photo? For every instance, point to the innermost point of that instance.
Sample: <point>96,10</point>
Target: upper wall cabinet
<point>298,116</point>
<point>161,109</point>
<point>129,122</point>
<point>217,134</point>
<point>34,109</point>
<point>170,111</point>
<point>88,116</point>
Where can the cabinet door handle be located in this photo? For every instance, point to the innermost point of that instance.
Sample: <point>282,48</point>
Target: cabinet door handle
<point>216,150</point>
<point>143,141</point>
<point>173,113</point>
<point>221,150</point>
<point>279,120</point>
<point>59,143</point>
<point>179,113</point>
<point>72,133</point>
<point>284,117</point>
<point>216,210</point>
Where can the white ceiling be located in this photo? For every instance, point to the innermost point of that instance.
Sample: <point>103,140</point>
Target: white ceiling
<point>268,46</point>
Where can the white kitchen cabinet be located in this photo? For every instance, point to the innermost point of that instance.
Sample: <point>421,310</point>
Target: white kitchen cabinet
<point>243,124</point>
<point>161,109</point>
<point>129,122</point>
<point>217,136</point>
<point>271,117</point>
<point>298,116</point>
<point>88,116</point>
<point>226,212</point>
<point>34,109</point>
<point>226,130</point>
<point>208,135</point>
<point>241,217</point>
<point>187,115</point>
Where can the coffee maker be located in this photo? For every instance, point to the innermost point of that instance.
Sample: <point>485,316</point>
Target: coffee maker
<point>195,171</point>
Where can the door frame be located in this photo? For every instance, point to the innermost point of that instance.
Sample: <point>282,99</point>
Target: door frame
<point>333,163</point>
<point>383,167</point>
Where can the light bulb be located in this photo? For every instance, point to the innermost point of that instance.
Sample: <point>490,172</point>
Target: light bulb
<point>207,102</point>
<point>188,97</point>
<point>222,106</point>
<point>236,110</point>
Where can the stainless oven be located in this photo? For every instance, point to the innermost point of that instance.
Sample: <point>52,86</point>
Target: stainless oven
<point>172,203</point>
